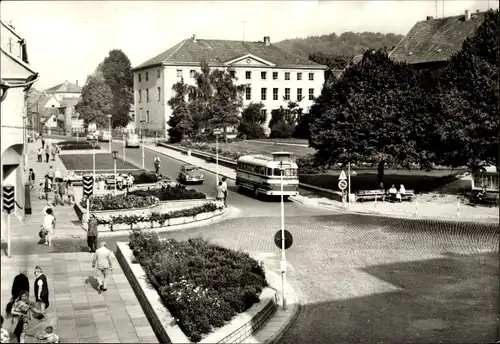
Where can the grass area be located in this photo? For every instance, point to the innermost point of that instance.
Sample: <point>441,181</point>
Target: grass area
<point>83,162</point>
<point>420,181</point>
<point>295,141</point>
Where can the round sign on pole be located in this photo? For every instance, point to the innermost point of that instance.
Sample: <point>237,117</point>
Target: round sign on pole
<point>288,239</point>
<point>342,184</point>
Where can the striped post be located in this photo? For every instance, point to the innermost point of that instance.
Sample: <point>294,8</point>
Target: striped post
<point>8,207</point>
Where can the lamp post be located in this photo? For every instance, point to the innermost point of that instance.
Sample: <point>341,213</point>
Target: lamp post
<point>77,125</point>
<point>142,144</point>
<point>283,255</point>
<point>115,156</point>
<point>93,159</point>
<point>109,130</point>
<point>124,146</point>
<point>217,132</point>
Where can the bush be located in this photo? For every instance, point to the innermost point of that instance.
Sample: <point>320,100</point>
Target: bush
<point>146,178</point>
<point>112,202</point>
<point>202,285</point>
<point>170,193</point>
<point>76,146</point>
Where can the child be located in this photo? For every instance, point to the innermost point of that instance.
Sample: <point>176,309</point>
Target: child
<point>39,154</point>
<point>4,336</point>
<point>41,190</point>
<point>49,336</point>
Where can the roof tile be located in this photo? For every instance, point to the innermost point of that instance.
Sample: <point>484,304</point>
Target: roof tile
<point>65,87</point>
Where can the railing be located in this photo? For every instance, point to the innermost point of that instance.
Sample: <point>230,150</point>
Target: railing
<point>116,133</point>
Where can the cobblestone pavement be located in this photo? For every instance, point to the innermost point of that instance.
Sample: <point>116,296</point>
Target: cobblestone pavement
<point>364,279</point>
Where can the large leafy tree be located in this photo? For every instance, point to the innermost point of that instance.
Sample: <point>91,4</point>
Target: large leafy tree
<point>283,120</point>
<point>117,71</point>
<point>179,122</point>
<point>252,120</point>
<point>97,100</point>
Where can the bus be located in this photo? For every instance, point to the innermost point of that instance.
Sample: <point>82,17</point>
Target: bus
<point>261,174</point>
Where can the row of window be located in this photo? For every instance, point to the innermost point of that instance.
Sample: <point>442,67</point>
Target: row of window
<point>146,75</point>
<point>158,91</point>
<point>263,94</point>
<point>266,171</point>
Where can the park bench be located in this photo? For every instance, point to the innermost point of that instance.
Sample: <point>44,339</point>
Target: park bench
<point>489,197</point>
<point>369,195</point>
<point>109,184</point>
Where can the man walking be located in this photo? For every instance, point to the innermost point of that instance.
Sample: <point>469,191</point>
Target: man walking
<point>47,154</point>
<point>224,189</point>
<point>47,187</point>
<point>39,154</point>
<point>92,233</point>
<point>51,174</point>
<point>102,264</point>
<point>21,283</point>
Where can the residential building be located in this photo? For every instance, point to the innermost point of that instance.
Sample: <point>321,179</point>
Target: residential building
<point>273,76</point>
<point>16,78</point>
<point>42,108</point>
<point>65,90</point>
<point>430,43</point>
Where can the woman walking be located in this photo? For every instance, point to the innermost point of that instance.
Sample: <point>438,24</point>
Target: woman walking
<point>49,222</point>
<point>47,154</point>
<point>21,315</point>
<point>31,178</point>
<point>70,190</point>
<point>41,289</point>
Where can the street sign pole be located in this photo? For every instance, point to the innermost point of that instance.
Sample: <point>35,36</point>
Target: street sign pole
<point>8,234</point>
<point>124,143</point>
<point>217,158</point>
<point>8,206</point>
<point>283,255</point>
<point>349,184</point>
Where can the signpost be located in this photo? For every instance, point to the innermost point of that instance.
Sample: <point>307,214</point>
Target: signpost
<point>343,186</point>
<point>217,132</point>
<point>283,239</point>
<point>88,190</point>
<point>288,239</point>
<point>8,207</point>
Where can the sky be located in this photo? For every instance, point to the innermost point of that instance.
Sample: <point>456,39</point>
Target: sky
<point>66,40</point>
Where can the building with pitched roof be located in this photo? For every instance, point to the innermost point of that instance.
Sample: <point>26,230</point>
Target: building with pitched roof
<point>65,90</point>
<point>274,76</point>
<point>430,43</point>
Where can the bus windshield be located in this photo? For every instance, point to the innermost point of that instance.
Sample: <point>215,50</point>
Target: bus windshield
<point>288,172</point>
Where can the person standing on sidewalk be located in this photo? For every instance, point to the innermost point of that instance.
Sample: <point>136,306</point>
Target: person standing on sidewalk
<point>224,189</point>
<point>31,178</point>
<point>43,141</point>
<point>47,186</point>
<point>219,192</point>
<point>53,153</point>
<point>57,174</point>
<point>49,222</point>
<point>62,190</point>
<point>47,154</point>
<point>21,283</point>
<point>103,265</point>
<point>92,233</point>
<point>50,173</point>
<point>41,289</point>
<point>71,192</point>
<point>39,154</point>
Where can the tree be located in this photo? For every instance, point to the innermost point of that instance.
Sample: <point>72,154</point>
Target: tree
<point>96,102</point>
<point>251,122</point>
<point>179,122</point>
<point>283,120</point>
<point>117,71</point>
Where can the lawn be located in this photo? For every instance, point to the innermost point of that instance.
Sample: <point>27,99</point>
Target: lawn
<point>294,141</point>
<point>103,162</point>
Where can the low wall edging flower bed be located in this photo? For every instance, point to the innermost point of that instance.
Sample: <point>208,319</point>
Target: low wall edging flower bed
<point>165,325</point>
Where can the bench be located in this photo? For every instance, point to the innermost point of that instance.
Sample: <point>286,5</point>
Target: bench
<point>109,184</point>
<point>379,194</point>
<point>491,198</point>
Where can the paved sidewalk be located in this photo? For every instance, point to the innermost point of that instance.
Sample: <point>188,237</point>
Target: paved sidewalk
<point>78,311</point>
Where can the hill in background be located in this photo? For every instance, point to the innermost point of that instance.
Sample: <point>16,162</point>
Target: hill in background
<point>334,50</point>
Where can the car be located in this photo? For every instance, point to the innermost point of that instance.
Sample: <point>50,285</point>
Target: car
<point>190,174</point>
<point>104,136</point>
<point>91,136</point>
<point>132,140</point>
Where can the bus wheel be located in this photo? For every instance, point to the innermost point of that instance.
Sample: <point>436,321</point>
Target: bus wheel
<point>256,192</point>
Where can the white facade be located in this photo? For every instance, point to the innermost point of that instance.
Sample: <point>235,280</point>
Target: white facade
<point>62,96</point>
<point>267,83</point>
<point>14,72</point>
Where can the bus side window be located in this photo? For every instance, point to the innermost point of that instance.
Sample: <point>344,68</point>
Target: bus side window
<point>262,171</point>
<point>269,171</point>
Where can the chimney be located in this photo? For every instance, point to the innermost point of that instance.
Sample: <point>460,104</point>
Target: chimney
<point>429,18</point>
<point>477,11</point>
<point>194,38</point>
<point>267,41</point>
<point>467,15</point>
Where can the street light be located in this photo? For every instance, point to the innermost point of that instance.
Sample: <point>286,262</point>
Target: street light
<point>109,130</point>
<point>283,256</point>
<point>217,132</point>
<point>77,125</point>
<point>94,140</point>
<point>115,156</point>
<point>142,144</point>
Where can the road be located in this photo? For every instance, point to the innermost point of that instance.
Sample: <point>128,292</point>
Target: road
<point>244,202</point>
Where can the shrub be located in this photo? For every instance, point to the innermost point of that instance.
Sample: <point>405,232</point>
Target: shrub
<point>170,193</point>
<point>202,285</point>
<point>146,178</point>
<point>112,202</point>
<point>77,146</point>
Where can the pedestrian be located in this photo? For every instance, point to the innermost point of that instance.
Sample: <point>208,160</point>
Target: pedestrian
<point>47,186</point>
<point>103,265</point>
<point>53,152</point>
<point>39,154</point>
<point>224,189</point>
<point>62,190</point>
<point>49,336</point>
<point>43,141</point>
<point>49,222</point>
<point>47,154</point>
<point>57,174</point>
<point>41,289</point>
<point>4,334</point>
<point>21,315</point>
<point>219,190</point>
<point>130,180</point>
<point>41,192</point>
<point>31,178</point>
<point>50,173</point>
<point>70,190</point>
<point>21,283</point>
<point>92,233</point>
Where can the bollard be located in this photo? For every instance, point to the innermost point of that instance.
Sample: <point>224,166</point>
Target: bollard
<point>375,204</point>
<point>416,205</point>
<point>458,207</point>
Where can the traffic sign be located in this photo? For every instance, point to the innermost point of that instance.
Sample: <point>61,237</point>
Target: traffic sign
<point>342,176</point>
<point>88,186</point>
<point>8,198</point>
<point>342,184</point>
<point>217,131</point>
<point>288,239</point>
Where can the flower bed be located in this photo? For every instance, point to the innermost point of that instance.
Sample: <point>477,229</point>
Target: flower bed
<point>170,193</point>
<point>139,179</point>
<point>68,145</point>
<point>112,202</point>
<point>202,285</point>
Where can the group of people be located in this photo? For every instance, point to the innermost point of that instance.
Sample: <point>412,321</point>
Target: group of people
<point>22,309</point>
<point>395,194</point>
<point>47,150</point>
<point>55,189</point>
<point>221,191</point>
<point>123,180</point>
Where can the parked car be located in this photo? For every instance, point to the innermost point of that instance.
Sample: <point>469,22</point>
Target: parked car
<point>91,136</point>
<point>132,140</point>
<point>105,136</point>
<point>190,174</point>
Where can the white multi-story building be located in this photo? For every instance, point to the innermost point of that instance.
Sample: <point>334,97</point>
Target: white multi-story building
<point>274,76</point>
<point>16,77</point>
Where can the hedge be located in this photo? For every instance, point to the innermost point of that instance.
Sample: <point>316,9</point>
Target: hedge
<point>170,193</point>
<point>202,285</point>
<point>123,201</point>
<point>77,146</point>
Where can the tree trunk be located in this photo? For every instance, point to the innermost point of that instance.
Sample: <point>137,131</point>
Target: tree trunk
<point>381,167</point>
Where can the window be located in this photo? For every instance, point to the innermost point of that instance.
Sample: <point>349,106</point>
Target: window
<point>287,94</point>
<point>159,93</point>
<point>311,76</point>
<point>263,93</point>
<point>311,94</point>
<point>191,73</point>
<point>287,75</point>
<point>147,116</point>
<point>299,76</point>
<point>263,75</point>
<point>139,75</point>
<point>147,95</point>
<point>233,73</point>
<point>263,112</point>
<point>179,73</point>
<point>287,172</point>
<point>147,76</point>
<point>275,94</point>
<point>248,75</point>
<point>299,94</point>
<point>275,75</point>
<point>54,119</point>
<point>248,93</point>
<point>158,73</point>
<point>140,95</point>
